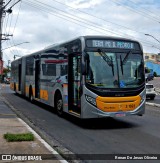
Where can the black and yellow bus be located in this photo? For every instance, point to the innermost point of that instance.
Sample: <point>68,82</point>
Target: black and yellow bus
<point>88,77</point>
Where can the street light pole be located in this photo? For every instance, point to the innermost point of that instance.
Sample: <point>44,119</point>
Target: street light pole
<point>16,56</point>
<point>14,45</point>
<point>152,37</point>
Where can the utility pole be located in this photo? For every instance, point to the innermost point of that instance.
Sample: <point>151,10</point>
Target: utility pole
<point>1,13</point>
<point>9,61</point>
<point>1,61</point>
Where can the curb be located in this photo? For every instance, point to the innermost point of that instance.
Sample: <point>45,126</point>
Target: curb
<point>43,142</point>
<point>31,129</point>
<point>53,143</point>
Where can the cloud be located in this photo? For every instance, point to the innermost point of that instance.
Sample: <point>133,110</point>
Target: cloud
<point>49,22</point>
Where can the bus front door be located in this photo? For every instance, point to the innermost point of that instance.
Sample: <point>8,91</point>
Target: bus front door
<point>37,79</point>
<point>74,83</point>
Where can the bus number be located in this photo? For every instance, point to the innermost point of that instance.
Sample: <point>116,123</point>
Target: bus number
<point>130,106</point>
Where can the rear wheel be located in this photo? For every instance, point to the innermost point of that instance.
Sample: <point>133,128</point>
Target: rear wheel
<point>59,104</point>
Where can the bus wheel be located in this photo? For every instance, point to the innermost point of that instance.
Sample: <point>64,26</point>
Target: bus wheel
<point>59,105</point>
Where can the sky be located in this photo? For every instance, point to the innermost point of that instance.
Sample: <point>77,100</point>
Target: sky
<point>43,23</point>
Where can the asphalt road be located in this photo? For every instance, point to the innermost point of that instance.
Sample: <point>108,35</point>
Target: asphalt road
<point>156,100</point>
<point>127,135</point>
<point>155,82</point>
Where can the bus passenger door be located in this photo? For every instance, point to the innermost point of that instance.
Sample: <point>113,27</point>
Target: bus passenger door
<point>37,79</point>
<point>74,83</point>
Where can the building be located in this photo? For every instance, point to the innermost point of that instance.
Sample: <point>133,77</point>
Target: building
<point>152,61</point>
<point>152,57</point>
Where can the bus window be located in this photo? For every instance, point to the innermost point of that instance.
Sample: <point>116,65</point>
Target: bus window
<point>110,71</point>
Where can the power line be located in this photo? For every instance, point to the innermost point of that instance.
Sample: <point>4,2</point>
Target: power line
<point>10,16</point>
<point>42,6</point>
<point>135,11</point>
<point>5,5</point>
<point>14,4</point>
<point>75,19</point>
<point>15,46</point>
<point>90,21</point>
<point>99,18</point>
<point>145,10</point>
<point>10,20</point>
<point>3,12</point>
<point>17,17</point>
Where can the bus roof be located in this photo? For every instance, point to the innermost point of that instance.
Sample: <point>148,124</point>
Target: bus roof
<point>80,38</point>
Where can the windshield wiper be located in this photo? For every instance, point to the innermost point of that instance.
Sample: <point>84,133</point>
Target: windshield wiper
<point>121,64</point>
<point>124,60</point>
<point>126,57</point>
<point>107,59</point>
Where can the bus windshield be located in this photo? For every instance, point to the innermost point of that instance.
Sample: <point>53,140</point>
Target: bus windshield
<point>115,70</point>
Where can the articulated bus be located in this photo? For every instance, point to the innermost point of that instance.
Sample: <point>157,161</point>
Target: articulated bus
<point>88,77</point>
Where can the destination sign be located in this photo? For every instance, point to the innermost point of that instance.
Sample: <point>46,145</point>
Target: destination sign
<point>110,44</point>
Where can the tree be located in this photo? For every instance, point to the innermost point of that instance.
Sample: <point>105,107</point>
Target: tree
<point>147,70</point>
<point>155,74</point>
<point>5,70</point>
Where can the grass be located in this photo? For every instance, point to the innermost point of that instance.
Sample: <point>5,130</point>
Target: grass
<point>19,137</point>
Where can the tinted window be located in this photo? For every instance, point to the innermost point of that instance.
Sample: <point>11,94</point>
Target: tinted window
<point>64,69</point>
<point>49,69</point>
<point>149,86</point>
<point>29,65</point>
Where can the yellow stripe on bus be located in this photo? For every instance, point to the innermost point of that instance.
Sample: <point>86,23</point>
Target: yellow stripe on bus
<point>17,87</point>
<point>27,90</point>
<point>44,94</point>
<point>12,86</point>
<point>115,104</point>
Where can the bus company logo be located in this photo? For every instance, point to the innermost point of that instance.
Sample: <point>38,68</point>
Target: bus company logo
<point>6,158</point>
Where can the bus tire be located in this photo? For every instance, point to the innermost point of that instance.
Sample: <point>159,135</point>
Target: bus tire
<point>59,104</point>
<point>30,95</point>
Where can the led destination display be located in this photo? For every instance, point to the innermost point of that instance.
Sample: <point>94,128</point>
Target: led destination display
<point>110,44</point>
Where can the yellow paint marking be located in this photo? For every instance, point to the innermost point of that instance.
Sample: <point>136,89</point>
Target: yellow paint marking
<point>44,94</point>
<point>115,104</point>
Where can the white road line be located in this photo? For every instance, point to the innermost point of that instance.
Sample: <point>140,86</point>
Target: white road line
<point>42,141</point>
<point>153,104</point>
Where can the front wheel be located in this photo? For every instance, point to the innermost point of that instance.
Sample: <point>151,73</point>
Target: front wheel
<point>59,105</point>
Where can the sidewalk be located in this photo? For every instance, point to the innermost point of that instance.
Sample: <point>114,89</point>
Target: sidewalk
<point>10,123</point>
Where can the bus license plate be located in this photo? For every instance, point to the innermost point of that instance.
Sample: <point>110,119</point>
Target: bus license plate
<point>120,115</point>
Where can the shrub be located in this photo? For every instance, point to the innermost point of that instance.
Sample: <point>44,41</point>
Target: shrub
<point>155,74</point>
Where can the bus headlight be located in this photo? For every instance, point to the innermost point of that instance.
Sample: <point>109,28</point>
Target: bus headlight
<point>143,96</point>
<point>91,100</point>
